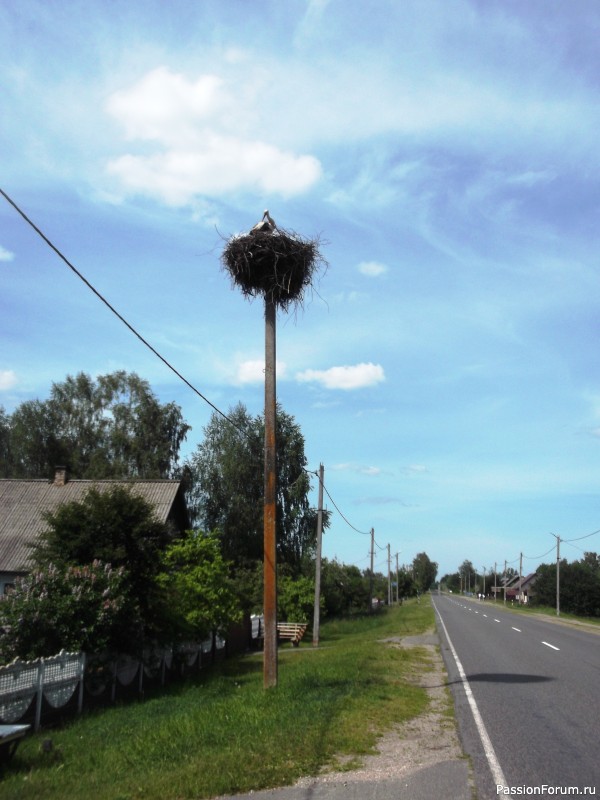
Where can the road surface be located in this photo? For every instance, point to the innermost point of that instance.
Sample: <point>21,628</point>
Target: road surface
<point>527,694</point>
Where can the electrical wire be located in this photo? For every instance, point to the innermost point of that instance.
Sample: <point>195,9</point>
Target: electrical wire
<point>362,533</point>
<point>563,541</point>
<point>534,558</point>
<point>579,538</point>
<point>115,312</point>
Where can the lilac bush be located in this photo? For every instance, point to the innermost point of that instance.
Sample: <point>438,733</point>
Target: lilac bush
<point>73,608</point>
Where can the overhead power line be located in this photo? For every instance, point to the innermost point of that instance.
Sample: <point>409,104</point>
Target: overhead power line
<point>115,312</point>
<point>362,533</point>
<point>534,558</point>
<point>579,538</point>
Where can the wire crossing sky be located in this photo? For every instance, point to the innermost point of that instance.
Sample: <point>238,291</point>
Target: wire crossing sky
<point>445,370</point>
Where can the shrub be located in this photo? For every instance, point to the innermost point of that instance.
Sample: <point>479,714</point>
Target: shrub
<point>73,608</point>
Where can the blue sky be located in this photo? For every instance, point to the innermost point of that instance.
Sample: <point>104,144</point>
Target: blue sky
<point>445,370</point>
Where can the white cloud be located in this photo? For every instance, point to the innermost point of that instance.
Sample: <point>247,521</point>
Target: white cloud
<point>8,379</point>
<point>253,371</point>
<point>415,469</point>
<point>358,376</point>
<point>203,144</point>
<point>362,470</point>
<point>6,255</point>
<point>372,268</point>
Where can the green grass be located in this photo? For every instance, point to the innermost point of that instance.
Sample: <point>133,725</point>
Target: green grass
<point>223,733</point>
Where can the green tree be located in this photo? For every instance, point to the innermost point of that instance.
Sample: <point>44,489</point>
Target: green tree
<point>201,594</point>
<point>114,526</point>
<point>451,582</point>
<point>424,572</point>
<point>296,599</point>
<point>344,588</point>
<point>111,427</point>
<point>406,584</point>
<point>85,608</point>
<point>579,586</point>
<point>227,488</point>
<point>226,492</point>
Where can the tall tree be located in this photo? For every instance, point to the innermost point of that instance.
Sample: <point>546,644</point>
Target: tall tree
<point>111,427</point>
<point>227,484</point>
<point>424,571</point>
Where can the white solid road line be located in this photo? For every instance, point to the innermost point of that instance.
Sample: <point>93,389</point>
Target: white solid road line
<point>518,630</point>
<point>551,645</point>
<point>488,748</point>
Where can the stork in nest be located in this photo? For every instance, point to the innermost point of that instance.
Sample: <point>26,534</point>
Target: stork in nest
<point>266,225</point>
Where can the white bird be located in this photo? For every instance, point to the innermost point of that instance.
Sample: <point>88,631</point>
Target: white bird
<point>266,225</point>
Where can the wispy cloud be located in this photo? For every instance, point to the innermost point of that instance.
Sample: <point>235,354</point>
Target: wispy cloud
<point>359,468</point>
<point>6,255</point>
<point>347,378</point>
<point>372,269</point>
<point>414,469</point>
<point>382,501</point>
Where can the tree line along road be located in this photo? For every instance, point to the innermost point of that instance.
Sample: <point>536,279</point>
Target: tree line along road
<point>527,695</point>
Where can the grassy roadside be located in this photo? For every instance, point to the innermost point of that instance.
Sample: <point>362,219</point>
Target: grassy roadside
<point>223,733</point>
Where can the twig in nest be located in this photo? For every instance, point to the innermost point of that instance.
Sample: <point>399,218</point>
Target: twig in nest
<point>277,265</point>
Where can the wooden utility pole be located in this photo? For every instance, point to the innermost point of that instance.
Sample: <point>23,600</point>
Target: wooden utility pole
<point>372,577</point>
<point>397,581</point>
<point>317,611</point>
<point>520,577</point>
<point>504,581</point>
<point>557,573</point>
<point>270,502</point>
<point>389,576</point>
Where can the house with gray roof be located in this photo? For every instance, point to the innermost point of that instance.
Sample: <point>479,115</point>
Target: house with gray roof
<point>23,504</point>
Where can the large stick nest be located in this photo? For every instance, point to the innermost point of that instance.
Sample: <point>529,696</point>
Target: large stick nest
<point>277,265</point>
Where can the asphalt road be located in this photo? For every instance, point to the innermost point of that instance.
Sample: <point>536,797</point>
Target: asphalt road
<point>536,688</point>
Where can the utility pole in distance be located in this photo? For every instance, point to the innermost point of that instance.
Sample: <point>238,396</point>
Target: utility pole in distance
<point>557,573</point>
<point>389,576</point>
<point>372,577</point>
<point>317,611</point>
<point>520,578</point>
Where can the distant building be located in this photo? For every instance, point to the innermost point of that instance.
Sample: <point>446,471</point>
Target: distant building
<point>527,591</point>
<point>23,504</point>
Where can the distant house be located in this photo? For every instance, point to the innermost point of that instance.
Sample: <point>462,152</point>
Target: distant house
<point>527,584</point>
<point>23,504</point>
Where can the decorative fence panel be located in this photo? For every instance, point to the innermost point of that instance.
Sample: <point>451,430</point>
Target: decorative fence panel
<point>57,679</point>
